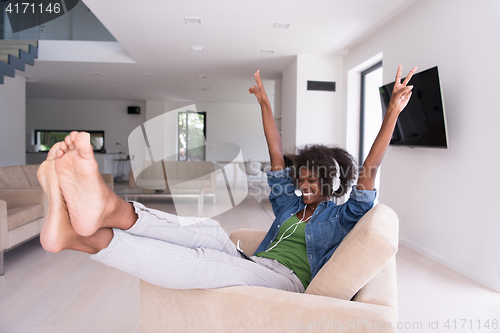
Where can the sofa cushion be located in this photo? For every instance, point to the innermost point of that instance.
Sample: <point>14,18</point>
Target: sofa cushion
<point>362,254</point>
<point>199,170</point>
<point>13,177</point>
<point>17,217</point>
<point>189,173</point>
<point>30,172</point>
<point>152,177</point>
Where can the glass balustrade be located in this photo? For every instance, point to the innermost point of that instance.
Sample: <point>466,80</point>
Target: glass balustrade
<point>76,23</point>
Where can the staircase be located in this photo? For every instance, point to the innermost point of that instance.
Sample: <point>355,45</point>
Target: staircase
<point>15,54</point>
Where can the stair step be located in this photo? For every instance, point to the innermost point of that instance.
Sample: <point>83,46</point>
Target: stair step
<point>14,50</point>
<point>19,41</point>
<point>18,44</point>
<point>15,54</point>
<point>7,69</point>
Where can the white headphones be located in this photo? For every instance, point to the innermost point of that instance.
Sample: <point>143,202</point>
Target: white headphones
<point>293,225</point>
<point>336,179</point>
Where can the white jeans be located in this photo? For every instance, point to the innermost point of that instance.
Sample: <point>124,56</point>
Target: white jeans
<point>189,253</point>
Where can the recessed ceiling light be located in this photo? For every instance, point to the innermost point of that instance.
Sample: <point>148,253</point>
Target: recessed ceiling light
<point>202,77</point>
<point>281,25</point>
<point>197,48</point>
<point>268,51</point>
<point>150,74</point>
<point>193,20</point>
<point>95,73</point>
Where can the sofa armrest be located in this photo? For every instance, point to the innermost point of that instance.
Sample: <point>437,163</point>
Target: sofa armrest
<point>366,250</point>
<point>4,229</point>
<point>381,289</point>
<point>250,239</point>
<point>17,198</point>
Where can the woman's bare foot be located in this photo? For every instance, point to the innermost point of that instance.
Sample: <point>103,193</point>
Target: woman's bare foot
<point>91,203</point>
<point>57,233</point>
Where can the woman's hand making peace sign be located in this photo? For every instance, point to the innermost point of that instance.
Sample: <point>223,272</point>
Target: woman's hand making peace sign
<point>401,93</point>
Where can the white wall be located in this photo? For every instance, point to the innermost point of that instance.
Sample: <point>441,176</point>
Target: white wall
<point>13,121</point>
<point>310,117</point>
<point>319,115</point>
<point>237,123</point>
<point>240,124</point>
<point>65,114</point>
<point>446,200</point>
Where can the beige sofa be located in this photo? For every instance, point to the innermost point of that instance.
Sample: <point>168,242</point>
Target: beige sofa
<point>187,173</point>
<point>23,206</point>
<point>354,292</point>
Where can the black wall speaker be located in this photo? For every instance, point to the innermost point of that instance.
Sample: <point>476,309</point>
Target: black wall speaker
<point>134,110</point>
<point>321,85</point>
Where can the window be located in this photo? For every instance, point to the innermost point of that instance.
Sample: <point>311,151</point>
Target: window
<point>45,139</point>
<point>371,109</point>
<point>370,112</point>
<point>191,136</point>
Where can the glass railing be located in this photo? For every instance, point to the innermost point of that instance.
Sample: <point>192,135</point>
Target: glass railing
<point>50,20</point>
<point>1,20</point>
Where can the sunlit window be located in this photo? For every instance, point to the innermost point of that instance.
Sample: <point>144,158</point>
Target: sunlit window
<point>370,113</point>
<point>45,139</point>
<point>192,134</point>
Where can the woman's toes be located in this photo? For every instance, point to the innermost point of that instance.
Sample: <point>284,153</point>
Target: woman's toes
<point>69,141</point>
<point>83,146</point>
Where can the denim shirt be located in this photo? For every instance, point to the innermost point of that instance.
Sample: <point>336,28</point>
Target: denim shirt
<point>329,224</point>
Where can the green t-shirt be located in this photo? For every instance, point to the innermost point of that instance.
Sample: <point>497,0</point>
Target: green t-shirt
<point>291,251</point>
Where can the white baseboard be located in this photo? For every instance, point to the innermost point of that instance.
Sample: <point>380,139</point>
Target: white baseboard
<point>492,285</point>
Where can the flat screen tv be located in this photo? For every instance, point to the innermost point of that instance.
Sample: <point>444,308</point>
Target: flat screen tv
<point>422,123</point>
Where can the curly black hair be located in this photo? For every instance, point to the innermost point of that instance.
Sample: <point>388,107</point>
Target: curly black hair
<point>319,159</point>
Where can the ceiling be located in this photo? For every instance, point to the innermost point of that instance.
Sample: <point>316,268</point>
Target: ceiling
<point>233,34</point>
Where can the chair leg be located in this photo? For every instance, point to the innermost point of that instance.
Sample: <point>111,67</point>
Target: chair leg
<point>1,263</point>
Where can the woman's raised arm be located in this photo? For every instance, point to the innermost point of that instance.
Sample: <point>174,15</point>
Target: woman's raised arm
<point>400,96</point>
<point>271,132</point>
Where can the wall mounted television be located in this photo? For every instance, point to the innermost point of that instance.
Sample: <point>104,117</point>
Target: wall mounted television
<point>422,123</point>
<point>45,139</point>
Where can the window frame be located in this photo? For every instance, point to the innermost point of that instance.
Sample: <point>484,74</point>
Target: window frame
<point>36,131</point>
<point>204,113</point>
<point>362,111</point>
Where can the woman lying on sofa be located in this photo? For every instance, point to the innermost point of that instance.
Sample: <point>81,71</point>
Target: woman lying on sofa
<point>192,253</point>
